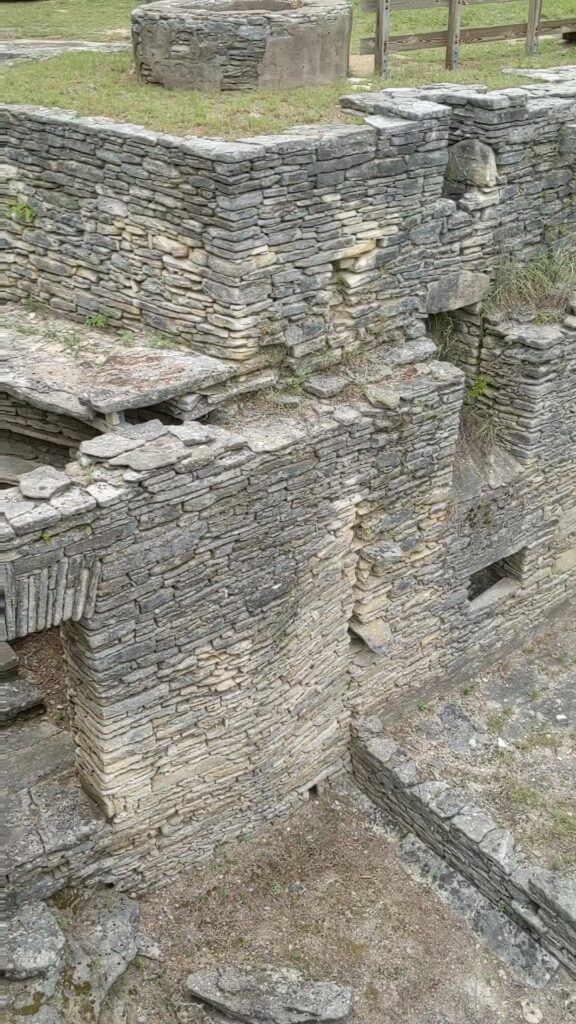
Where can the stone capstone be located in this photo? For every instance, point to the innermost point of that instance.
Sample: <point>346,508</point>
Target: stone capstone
<point>44,482</point>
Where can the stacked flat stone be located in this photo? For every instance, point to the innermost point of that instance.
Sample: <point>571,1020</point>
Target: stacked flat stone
<point>304,245</point>
<point>232,591</point>
<point>226,45</point>
<point>462,833</point>
<point>205,574</point>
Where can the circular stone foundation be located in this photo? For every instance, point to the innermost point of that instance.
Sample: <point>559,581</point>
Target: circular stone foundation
<point>223,45</point>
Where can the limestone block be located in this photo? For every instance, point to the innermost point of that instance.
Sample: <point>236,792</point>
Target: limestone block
<point>566,561</point>
<point>227,45</point>
<point>454,290</point>
<point>473,162</point>
<point>44,482</point>
<point>276,996</point>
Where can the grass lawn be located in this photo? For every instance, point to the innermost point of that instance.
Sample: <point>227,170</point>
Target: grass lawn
<point>103,84</point>
<point>110,19</point>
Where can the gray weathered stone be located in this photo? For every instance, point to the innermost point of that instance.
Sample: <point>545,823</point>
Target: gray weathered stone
<point>43,482</point>
<point>452,291</point>
<point>472,162</point>
<point>270,996</point>
<point>218,45</point>
<point>35,942</point>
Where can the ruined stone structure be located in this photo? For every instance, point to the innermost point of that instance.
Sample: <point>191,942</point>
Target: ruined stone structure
<point>463,834</point>
<point>223,45</point>
<point>307,513</point>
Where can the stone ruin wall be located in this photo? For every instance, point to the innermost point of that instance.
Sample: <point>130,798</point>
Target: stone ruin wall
<point>239,44</point>
<point>210,603</point>
<point>229,605</point>
<point>301,246</point>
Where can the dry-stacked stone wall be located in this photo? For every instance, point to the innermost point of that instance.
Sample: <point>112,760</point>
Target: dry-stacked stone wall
<point>233,591</point>
<point>232,595</point>
<point>224,45</point>
<point>466,836</point>
<point>303,245</point>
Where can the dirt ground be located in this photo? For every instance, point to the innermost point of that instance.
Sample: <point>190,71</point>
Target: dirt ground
<point>42,657</point>
<point>509,738</point>
<point>327,894</point>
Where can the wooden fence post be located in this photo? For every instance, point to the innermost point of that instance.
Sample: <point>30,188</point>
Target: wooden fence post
<point>533,26</point>
<point>382,36</point>
<point>453,40</point>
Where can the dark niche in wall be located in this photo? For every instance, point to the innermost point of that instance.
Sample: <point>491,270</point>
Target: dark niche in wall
<point>490,577</point>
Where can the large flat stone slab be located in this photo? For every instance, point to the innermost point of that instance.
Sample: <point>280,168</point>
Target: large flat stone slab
<point>18,695</point>
<point>140,377</point>
<point>270,996</point>
<point>105,379</point>
<point>36,752</point>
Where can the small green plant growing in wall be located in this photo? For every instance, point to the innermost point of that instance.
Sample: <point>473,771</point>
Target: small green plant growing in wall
<point>23,213</point>
<point>478,387</point>
<point>96,320</point>
<point>161,340</point>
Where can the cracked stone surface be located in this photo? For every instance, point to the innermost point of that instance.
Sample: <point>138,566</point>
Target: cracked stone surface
<point>270,996</point>
<point>64,959</point>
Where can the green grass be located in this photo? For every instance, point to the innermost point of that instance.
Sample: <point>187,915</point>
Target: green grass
<point>102,20</point>
<point>543,286</point>
<point>103,84</point>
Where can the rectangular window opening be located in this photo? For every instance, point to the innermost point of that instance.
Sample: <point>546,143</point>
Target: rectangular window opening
<point>507,568</point>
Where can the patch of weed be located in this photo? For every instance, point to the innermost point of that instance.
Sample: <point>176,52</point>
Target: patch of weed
<point>99,320</point>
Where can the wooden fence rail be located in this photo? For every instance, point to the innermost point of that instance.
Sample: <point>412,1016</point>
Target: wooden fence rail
<point>453,35</point>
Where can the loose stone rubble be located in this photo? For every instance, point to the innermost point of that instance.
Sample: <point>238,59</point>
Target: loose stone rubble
<point>241,44</point>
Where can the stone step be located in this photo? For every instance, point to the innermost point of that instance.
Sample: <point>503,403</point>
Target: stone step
<point>34,752</point>
<point>19,695</point>
<point>53,825</point>
<point>19,692</point>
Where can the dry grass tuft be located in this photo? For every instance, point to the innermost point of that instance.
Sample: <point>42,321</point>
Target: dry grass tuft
<point>543,287</point>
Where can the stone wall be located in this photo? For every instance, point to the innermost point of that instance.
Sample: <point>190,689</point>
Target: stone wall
<point>463,834</point>
<point>226,45</point>
<point>232,592</point>
<point>301,246</point>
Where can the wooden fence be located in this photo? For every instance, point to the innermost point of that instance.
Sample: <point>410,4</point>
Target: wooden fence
<point>451,37</point>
